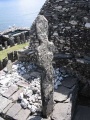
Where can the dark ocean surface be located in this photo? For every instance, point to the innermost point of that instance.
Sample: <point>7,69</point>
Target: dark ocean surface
<point>20,13</point>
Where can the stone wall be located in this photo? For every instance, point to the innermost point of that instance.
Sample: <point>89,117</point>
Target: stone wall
<point>69,30</point>
<point>13,56</point>
<point>10,38</point>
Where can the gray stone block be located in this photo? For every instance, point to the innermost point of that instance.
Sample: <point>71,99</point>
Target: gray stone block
<point>7,108</point>
<point>62,111</point>
<point>15,96</point>
<point>10,56</point>
<point>10,91</point>
<point>23,114</point>
<point>13,110</point>
<point>6,45</point>
<point>3,103</point>
<point>1,65</point>
<point>61,94</point>
<point>4,62</point>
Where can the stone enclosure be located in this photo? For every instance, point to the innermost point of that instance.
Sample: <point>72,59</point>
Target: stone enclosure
<point>60,41</point>
<point>13,36</point>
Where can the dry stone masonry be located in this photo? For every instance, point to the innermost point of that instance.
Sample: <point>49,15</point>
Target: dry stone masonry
<point>69,29</point>
<point>66,23</point>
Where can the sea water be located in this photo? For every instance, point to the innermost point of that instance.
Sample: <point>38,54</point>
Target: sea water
<point>20,13</point>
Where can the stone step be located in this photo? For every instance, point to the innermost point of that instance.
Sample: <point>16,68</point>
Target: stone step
<point>82,113</point>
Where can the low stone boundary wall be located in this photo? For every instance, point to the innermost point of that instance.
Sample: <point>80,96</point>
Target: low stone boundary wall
<point>11,40</point>
<point>10,56</point>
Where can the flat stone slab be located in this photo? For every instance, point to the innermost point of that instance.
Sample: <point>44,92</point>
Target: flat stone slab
<point>23,114</point>
<point>10,91</point>
<point>22,84</point>
<point>3,103</point>
<point>35,74</point>
<point>62,111</point>
<point>14,97</point>
<point>82,113</point>
<point>69,82</point>
<point>7,108</point>
<point>14,110</point>
<point>61,94</point>
<point>34,118</point>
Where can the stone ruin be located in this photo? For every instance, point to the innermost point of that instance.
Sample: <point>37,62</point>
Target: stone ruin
<point>13,36</point>
<point>69,30</point>
<point>66,24</point>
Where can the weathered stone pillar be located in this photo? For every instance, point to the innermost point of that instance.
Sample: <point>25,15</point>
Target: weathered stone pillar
<point>5,43</point>
<point>23,37</point>
<point>10,56</point>
<point>4,62</point>
<point>1,66</point>
<point>9,66</point>
<point>11,40</point>
<point>15,56</point>
<point>1,48</point>
<point>18,40</point>
<point>45,55</point>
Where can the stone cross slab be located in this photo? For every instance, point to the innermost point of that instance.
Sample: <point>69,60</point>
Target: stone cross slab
<point>45,57</point>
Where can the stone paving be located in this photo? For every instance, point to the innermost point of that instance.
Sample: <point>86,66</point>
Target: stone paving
<point>12,85</point>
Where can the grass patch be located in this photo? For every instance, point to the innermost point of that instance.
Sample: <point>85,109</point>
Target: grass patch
<point>4,52</point>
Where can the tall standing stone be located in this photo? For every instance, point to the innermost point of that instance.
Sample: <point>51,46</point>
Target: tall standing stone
<point>1,65</point>
<point>1,48</point>
<point>6,45</point>
<point>4,62</point>
<point>11,40</point>
<point>9,66</point>
<point>23,37</point>
<point>18,39</point>
<point>15,55</point>
<point>45,57</point>
<point>10,56</point>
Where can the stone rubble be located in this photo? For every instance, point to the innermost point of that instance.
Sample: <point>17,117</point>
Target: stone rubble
<point>30,97</point>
